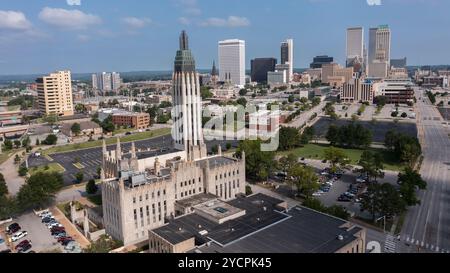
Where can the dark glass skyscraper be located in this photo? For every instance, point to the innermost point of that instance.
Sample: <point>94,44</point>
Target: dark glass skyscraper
<point>318,61</point>
<point>260,67</point>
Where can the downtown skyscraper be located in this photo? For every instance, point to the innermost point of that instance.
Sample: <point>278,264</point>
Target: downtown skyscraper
<point>355,46</point>
<point>232,61</point>
<point>287,57</point>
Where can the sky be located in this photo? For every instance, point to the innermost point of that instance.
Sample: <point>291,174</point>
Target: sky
<point>41,36</point>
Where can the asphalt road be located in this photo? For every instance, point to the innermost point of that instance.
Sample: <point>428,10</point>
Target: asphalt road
<point>427,226</point>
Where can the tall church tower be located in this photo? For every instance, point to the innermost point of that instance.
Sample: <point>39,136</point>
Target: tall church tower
<point>187,130</point>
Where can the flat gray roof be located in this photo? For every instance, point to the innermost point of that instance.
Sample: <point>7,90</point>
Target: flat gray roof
<point>306,231</point>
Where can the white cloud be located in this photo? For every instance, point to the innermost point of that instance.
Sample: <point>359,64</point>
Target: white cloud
<point>184,21</point>
<point>73,2</point>
<point>231,21</point>
<point>374,2</point>
<point>193,11</point>
<point>83,38</point>
<point>14,20</point>
<point>134,22</point>
<point>70,19</point>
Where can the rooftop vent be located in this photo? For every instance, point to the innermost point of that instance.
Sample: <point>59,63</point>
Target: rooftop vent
<point>265,208</point>
<point>203,232</point>
<point>340,238</point>
<point>180,229</point>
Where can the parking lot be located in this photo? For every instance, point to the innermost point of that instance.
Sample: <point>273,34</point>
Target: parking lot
<point>339,187</point>
<point>91,159</point>
<point>38,234</point>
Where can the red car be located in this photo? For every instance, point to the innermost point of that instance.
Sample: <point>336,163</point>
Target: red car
<point>22,244</point>
<point>62,239</point>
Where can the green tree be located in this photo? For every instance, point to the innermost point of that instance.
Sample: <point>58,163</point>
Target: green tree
<point>39,190</point>
<point>3,186</point>
<point>289,138</point>
<point>229,146</point>
<point>372,165</point>
<point>315,101</point>
<point>248,190</point>
<point>304,178</point>
<point>103,245</point>
<point>26,142</point>
<point>79,177</point>
<point>286,163</point>
<point>8,144</point>
<point>8,207</point>
<point>259,164</point>
<point>23,171</point>
<point>410,182</point>
<point>91,187</point>
<point>17,144</point>
<point>51,140</point>
<point>242,101</point>
<point>206,93</point>
<point>243,92</point>
<point>333,135</point>
<point>337,158</point>
<point>382,200</point>
<point>76,128</point>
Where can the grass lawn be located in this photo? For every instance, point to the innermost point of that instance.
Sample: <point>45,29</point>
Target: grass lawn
<point>109,141</point>
<point>52,167</point>
<point>78,166</point>
<point>123,131</point>
<point>316,151</point>
<point>95,199</point>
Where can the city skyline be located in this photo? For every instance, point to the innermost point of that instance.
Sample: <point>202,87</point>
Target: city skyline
<point>138,32</point>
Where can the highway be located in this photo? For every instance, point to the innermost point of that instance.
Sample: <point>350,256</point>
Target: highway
<point>427,226</point>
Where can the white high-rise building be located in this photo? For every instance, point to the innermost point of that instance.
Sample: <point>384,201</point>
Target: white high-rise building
<point>95,82</point>
<point>106,81</point>
<point>383,44</point>
<point>232,61</point>
<point>115,81</point>
<point>287,57</point>
<point>355,44</point>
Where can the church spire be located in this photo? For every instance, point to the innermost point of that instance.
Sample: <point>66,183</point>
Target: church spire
<point>214,70</point>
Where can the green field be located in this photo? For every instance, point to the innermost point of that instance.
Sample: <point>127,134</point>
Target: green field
<point>52,167</point>
<point>109,141</point>
<point>315,151</point>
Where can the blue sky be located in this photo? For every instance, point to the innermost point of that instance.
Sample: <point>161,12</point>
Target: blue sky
<point>40,36</point>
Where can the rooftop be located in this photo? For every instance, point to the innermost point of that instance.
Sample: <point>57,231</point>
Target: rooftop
<point>264,228</point>
<point>260,212</point>
<point>305,231</point>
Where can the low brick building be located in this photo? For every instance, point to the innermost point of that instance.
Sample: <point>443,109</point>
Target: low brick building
<point>134,120</point>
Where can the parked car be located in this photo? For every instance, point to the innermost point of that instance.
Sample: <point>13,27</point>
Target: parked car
<point>344,198</point>
<point>25,248</point>
<point>19,235</point>
<point>61,239</point>
<point>23,243</point>
<point>47,220</point>
<point>2,241</point>
<point>60,235</point>
<point>13,228</point>
<point>66,242</point>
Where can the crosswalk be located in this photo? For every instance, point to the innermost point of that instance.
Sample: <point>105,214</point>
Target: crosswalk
<point>423,245</point>
<point>390,245</point>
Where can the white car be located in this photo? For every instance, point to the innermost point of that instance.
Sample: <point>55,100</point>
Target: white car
<point>317,194</point>
<point>54,225</point>
<point>19,235</point>
<point>49,214</point>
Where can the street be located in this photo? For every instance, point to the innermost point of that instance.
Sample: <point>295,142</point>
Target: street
<point>427,226</point>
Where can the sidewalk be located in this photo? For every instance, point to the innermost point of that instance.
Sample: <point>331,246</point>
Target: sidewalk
<point>71,230</point>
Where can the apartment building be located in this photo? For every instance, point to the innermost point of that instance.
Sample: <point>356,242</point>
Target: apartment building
<point>55,94</point>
